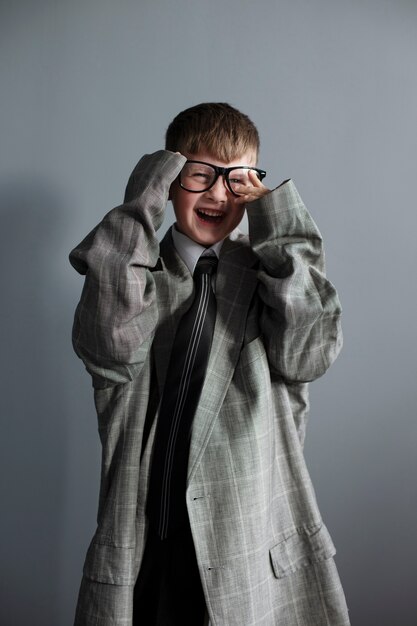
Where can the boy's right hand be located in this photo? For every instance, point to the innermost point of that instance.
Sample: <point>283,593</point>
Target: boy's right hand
<point>255,190</point>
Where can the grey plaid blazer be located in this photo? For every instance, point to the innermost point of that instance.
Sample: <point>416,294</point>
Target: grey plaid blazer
<point>264,554</point>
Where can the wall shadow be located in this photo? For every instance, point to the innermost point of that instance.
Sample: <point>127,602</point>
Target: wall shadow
<point>35,344</point>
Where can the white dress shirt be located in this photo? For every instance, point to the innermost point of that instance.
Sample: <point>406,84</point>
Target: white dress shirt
<point>190,251</point>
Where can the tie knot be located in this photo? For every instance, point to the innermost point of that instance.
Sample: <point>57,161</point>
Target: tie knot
<point>206,265</point>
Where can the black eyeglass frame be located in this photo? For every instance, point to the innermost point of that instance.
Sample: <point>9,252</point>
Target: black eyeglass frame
<point>220,171</point>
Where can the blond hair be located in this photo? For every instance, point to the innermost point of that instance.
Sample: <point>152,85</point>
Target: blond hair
<point>213,127</point>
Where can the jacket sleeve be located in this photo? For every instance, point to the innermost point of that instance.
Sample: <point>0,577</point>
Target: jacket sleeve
<point>116,317</point>
<point>300,318</point>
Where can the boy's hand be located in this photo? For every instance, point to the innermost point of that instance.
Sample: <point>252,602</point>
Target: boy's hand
<point>254,191</point>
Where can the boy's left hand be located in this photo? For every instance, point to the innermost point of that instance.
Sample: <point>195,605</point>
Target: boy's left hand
<point>254,191</point>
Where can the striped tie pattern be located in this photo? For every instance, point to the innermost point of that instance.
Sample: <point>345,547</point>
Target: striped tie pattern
<point>166,506</point>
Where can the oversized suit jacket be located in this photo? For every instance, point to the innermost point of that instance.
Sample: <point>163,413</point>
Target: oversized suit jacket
<point>264,555</point>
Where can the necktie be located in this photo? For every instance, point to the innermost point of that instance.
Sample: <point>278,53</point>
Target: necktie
<point>166,507</point>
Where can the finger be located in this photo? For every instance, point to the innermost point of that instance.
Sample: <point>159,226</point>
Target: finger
<point>249,194</point>
<point>244,192</point>
<point>247,197</point>
<point>253,177</point>
<point>259,189</point>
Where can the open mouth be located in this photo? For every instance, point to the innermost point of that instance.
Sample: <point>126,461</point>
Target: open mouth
<point>210,216</point>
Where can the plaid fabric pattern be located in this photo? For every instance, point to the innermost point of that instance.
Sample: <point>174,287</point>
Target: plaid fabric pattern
<point>265,557</point>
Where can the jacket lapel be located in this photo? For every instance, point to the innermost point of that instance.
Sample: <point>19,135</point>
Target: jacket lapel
<point>175,289</point>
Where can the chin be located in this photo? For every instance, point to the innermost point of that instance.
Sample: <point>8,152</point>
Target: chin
<point>206,241</point>
<point>209,239</point>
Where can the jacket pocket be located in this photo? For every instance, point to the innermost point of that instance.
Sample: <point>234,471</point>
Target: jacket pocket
<point>303,548</point>
<point>109,564</point>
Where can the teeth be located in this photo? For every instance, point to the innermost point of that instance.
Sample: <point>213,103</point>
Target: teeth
<point>210,213</point>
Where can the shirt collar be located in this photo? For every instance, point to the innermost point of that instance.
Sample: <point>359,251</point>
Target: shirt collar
<point>190,251</point>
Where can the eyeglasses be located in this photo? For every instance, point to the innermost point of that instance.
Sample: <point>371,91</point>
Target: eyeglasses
<point>198,176</point>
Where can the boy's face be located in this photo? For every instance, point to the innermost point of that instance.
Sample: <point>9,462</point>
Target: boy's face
<point>210,216</point>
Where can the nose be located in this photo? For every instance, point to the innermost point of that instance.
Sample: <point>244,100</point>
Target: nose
<point>219,191</point>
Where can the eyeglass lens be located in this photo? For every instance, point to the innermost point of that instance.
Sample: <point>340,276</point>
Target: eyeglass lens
<point>200,177</point>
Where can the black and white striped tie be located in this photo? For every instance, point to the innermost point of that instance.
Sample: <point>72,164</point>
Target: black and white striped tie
<point>166,506</point>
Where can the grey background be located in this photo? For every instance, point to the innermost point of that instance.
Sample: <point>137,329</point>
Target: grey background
<point>86,89</point>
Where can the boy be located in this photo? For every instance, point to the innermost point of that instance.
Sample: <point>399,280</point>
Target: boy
<point>206,507</point>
